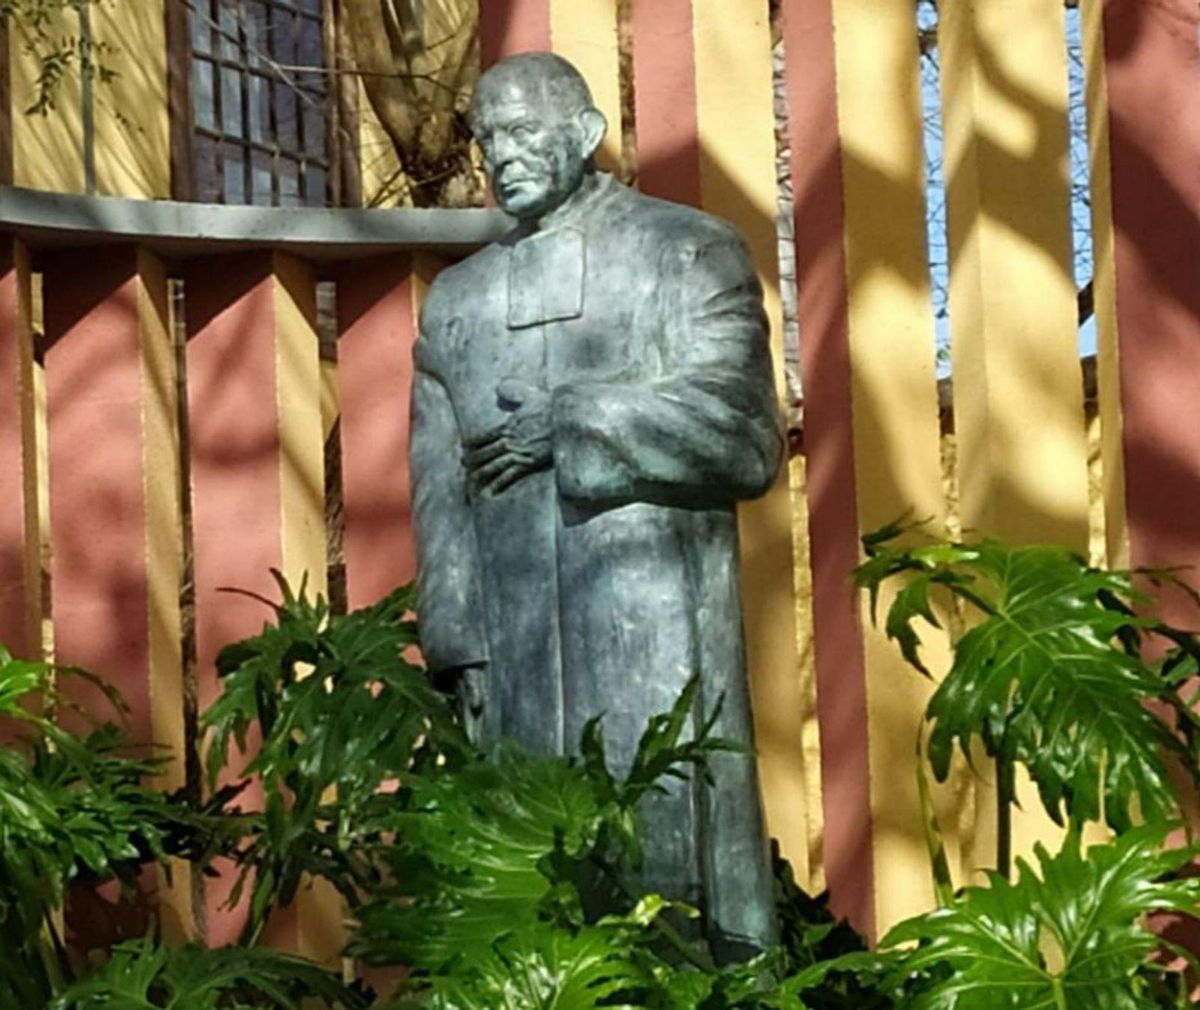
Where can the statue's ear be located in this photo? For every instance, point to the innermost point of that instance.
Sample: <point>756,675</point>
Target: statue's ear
<point>593,126</point>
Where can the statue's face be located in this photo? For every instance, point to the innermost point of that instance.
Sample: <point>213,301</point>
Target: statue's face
<point>536,157</point>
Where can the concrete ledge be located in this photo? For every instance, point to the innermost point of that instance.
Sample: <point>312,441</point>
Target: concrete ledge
<point>55,220</point>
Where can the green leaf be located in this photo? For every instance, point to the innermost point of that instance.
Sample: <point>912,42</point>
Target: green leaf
<point>468,859</point>
<point>141,975</point>
<point>543,968</point>
<point>78,813</point>
<point>1047,678</point>
<point>1071,937</point>
<point>669,747</point>
<point>341,711</point>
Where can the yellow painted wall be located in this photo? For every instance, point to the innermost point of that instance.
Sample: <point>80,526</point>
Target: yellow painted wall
<point>47,149</point>
<point>299,392</point>
<point>585,32</point>
<point>1012,298</point>
<point>164,569</point>
<point>737,181</point>
<point>894,400</point>
<point>1017,384</point>
<point>1112,464</point>
<point>133,140</point>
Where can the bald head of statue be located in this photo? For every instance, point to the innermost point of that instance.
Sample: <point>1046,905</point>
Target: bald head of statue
<point>538,129</point>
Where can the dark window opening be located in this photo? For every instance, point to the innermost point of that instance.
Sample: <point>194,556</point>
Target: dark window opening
<point>261,102</point>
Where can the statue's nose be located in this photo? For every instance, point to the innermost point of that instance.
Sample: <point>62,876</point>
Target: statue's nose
<point>504,150</point>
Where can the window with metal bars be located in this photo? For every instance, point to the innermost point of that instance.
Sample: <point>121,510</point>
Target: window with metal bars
<point>260,102</point>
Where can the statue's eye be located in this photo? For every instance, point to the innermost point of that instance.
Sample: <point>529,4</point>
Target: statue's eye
<point>521,131</point>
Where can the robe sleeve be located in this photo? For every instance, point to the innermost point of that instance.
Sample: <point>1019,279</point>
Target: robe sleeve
<point>705,430</point>
<point>450,601</point>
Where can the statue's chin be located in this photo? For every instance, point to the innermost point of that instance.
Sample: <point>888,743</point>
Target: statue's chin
<point>529,204</point>
<point>522,208</point>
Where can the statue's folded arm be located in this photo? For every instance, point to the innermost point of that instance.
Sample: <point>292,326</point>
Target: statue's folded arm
<point>707,428</point>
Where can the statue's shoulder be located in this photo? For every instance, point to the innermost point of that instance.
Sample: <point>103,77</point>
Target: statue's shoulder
<point>675,226</point>
<point>454,285</point>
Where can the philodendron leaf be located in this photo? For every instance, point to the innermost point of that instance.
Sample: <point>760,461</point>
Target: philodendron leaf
<point>468,859</point>
<point>342,712</point>
<point>546,968</point>
<point>493,847</point>
<point>142,975</point>
<point>1069,936</point>
<point>1046,678</point>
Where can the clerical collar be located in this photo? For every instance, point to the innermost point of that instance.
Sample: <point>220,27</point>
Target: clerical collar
<point>577,205</point>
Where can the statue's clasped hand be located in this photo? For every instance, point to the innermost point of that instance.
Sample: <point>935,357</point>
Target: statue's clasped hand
<point>519,446</point>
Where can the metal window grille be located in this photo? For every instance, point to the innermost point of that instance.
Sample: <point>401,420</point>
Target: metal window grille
<point>260,102</point>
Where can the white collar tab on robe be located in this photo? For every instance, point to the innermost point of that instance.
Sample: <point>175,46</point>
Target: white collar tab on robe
<point>547,264</point>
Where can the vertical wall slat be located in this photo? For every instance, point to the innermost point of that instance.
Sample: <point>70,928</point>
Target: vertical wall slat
<point>585,32</point>
<point>20,564</point>
<point>1018,392</point>
<point>893,393</point>
<point>736,129</point>
<point>298,403</point>
<point>115,540</point>
<point>507,27</point>
<point>1154,123</point>
<point>164,550</point>
<point>254,411</point>
<point>822,304</point>
<point>664,70</point>
<point>377,326</point>
<point>301,431</point>
<point>1104,288</point>
<point>1018,402</point>
<point>180,121</point>
<point>97,492</point>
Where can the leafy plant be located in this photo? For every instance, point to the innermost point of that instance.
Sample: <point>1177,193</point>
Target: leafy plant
<point>542,966</point>
<point>1053,674</point>
<point>1073,936</point>
<point>496,849</point>
<point>514,887</point>
<point>73,808</point>
<point>812,940</point>
<point>341,713</point>
<point>1051,677</point>
<point>512,883</point>
<point>141,975</point>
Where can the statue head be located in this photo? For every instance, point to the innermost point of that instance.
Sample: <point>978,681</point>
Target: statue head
<point>535,122</point>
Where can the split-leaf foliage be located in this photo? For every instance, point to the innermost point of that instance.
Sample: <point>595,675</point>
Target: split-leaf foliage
<point>509,882</point>
<point>1053,672</point>
<point>1051,675</point>
<point>1073,935</point>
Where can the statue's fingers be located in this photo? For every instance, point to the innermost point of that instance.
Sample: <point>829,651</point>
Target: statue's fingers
<point>487,438</point>
<point>479,455</point>
<point>509,477</point>
<point>486,473</point>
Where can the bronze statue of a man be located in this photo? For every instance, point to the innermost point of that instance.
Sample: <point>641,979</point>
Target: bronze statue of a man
<point>593,396</point>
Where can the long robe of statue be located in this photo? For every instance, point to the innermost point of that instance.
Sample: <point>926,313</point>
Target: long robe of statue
<point>605,581</point>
